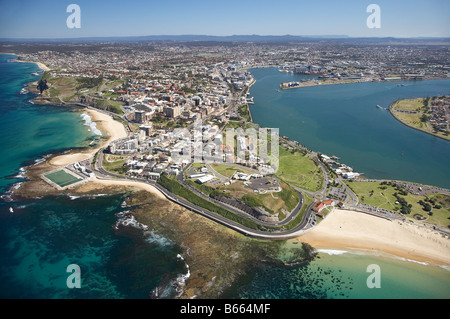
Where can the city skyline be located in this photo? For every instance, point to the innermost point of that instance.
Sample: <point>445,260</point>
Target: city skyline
<point>47,19</point>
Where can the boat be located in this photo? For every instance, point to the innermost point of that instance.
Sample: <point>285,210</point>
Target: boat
<point>379,106</point>
<point>11,210</point>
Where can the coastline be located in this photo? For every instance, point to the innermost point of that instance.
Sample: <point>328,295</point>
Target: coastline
<point>361,231</point>
<point>114,129</point>
<point>143,186</point>
<point>312,83</point>
<point>39,64</point>
<point>393,113</point>
<point>350,230</point>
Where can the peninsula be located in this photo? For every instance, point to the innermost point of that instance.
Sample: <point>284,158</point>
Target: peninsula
<point>429,114</point>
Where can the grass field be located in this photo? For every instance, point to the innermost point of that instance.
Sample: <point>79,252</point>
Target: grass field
<point>299,170</point>
<point>61,86</point>
<point>382,196</point>
<point>109,105</point>
<point>62,178</point>
<point>172,185</point>
<point>273,202</point>
<point>229,170</point>
<point>414,120</point>
<point>114,163</point>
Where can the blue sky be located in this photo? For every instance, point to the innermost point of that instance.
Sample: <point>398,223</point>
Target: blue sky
<point>47,18</point>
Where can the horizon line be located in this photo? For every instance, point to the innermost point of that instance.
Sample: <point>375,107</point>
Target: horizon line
<point>337,36</point>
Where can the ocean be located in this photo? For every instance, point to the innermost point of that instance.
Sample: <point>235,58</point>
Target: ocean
<point>43,236</point>
<point>344,274</point>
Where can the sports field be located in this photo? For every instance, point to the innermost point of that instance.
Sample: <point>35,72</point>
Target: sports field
<point>62,178</point>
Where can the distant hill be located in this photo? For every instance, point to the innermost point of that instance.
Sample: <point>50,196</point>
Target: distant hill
<point>231,38</point>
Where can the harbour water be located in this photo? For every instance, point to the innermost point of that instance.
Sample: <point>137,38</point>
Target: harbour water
<point>41,237</point>
<point>343,120</point>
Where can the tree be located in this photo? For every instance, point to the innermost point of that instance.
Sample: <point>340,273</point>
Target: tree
<point>42,85</point>
<point>405,210</point>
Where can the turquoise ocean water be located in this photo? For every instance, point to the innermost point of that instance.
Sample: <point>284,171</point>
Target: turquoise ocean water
<point>43,236</point>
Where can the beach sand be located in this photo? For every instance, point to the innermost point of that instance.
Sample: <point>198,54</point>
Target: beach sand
<point>39,64</point>
<point>345,229</point>
<point>143,186</point>
<point>42,66</point>
<point>114,129</point>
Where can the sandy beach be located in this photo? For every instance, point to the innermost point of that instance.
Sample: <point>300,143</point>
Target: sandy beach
<point>42,66</point>
<point>39,64</point>
<point>345,229</point>
<point>143,186</point>
<point>106,123</point>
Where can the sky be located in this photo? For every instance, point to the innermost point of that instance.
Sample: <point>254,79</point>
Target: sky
<point>103,18</point>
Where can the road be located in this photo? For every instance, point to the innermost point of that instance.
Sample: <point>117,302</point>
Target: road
<point>306,223</point>
<point>300,229</point>
<point>291,216</point>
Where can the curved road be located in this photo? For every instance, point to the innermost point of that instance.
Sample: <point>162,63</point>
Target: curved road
<point>296,231</point>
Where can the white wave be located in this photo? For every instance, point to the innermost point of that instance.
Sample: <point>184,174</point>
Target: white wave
<point>72,197</point>
<point>155,238</point>
<point>92,125</point>
<point>42,159</point>
<point>364,252</point>
<point>98,195</point>
<point>16,185</point>
<point>23,91</point>
<point>180,281</point>
<point>130,221</point>
<point>21,174</point>
<point>332,251</point>
<point>122,214</point>
<point>411,260</point>
<point>445,267</point>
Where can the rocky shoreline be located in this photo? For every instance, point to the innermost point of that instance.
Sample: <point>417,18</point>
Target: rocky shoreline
<point>217,256</point>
